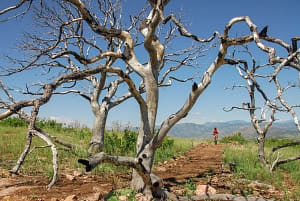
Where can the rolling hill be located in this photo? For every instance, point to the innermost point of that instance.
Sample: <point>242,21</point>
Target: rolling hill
<point>285,129</point>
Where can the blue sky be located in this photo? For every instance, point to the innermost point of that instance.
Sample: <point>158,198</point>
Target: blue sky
<point>203,17</point>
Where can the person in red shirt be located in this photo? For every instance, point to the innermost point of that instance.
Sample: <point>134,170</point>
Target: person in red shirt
<point>215,133</point>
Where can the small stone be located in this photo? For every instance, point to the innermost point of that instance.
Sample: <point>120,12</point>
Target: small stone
<point>70,177</point>
<point>94,197</point>
<point>205,189</point>
<point>161,169</point>
<point>123,198</point>
<point>71,198</point>
<point>77,173</point>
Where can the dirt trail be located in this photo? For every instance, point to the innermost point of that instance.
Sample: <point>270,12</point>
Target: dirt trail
<point>200,161</point>
<point>202,164</point>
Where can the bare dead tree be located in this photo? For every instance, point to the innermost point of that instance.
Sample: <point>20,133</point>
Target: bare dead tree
<point>150,74</point>
<point>260,121</point>
<point>146,153</point>
<point>290,109</point>
<point>15,107</point>
<point>101,93</point>
<point>272,103</point>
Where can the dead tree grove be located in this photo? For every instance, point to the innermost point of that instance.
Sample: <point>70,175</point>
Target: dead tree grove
<point>80,58</point>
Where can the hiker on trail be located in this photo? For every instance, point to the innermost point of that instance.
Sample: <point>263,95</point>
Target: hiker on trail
<point>215,133</point>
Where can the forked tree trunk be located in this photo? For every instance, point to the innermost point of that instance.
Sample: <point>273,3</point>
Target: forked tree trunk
<point>146,160</point>
<point>153,187</point>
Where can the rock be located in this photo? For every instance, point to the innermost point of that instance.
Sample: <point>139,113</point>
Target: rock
<point>205,189</point>
<point>77,173</point>
<point>215,180</point>
<point>94,197</point>
<point>71,198</point>
<point>123,198</point>
<point>255,185</point>
<point>141,197</point>
<point>6,198</point>
<point>228,197</point>
<point>70,177</point>
<point>161,169</point>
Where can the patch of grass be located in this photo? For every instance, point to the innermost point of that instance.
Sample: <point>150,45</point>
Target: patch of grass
<point>13,135</point>
<point>189,187</point>
<point>114,196</point>
<point>236,138</point>
<point>247,165</point>
<point>246,160</point>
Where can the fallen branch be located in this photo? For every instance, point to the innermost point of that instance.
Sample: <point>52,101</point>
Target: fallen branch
<point>15,169</point>
<point>38,147</point>
<point>286,145</point>
<point>283,161</point>
<point>54,156</point>
<point>155,182</point>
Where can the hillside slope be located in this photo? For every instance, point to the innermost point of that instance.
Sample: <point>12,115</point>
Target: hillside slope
<point>191,130</point>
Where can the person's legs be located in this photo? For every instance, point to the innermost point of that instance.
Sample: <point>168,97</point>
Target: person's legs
<point>216,139</point>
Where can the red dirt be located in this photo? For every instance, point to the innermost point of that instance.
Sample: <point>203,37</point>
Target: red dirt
<point>202,165</point>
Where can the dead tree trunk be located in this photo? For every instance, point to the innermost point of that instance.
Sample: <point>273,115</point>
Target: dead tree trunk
<point>261,148</point>
<point>97,140</point>
<point>15,169</point>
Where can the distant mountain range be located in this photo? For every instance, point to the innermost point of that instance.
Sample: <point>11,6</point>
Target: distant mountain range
<point>284,129</point>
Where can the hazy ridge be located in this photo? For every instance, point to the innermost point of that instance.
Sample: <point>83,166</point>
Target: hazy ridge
<point>285,129</point>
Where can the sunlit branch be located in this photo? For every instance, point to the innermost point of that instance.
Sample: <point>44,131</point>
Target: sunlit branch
<point>14,7</point>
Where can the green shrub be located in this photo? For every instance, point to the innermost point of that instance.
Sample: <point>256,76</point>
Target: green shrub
<point>189,187</point>
<point>120,143</point>
<point>234,138</point>
<point>166,151</point>
<point>13,122</point>
<point>50,124</point>
<point>12,141</point>
<point>124,143</point>
<point>114,196</point>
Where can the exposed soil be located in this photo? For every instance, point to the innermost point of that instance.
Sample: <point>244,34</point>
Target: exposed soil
<point>201,165</point>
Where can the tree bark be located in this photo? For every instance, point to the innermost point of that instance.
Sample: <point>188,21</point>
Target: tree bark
<point>261,148</point>
<point>97,140</point>
<point>22,157</point>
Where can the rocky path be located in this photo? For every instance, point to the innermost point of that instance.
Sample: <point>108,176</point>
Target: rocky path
<point>202,165</point>
<point>200,161</point>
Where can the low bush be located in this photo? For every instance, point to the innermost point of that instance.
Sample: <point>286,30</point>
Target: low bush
<point>234,138</point>
<point>13,122</point>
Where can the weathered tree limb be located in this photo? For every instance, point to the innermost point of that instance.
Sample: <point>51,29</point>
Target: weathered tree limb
<point>285,145</point>
<point>101,157</point>
<point>15,169</point>
<point>32,131</point>
<point>49,89</point>
<point>278,162</point>
<point>153,181</point>
<point>184,32</point>
<point>16,6</point>
<point>289,108</point>
<point>54,156</point>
